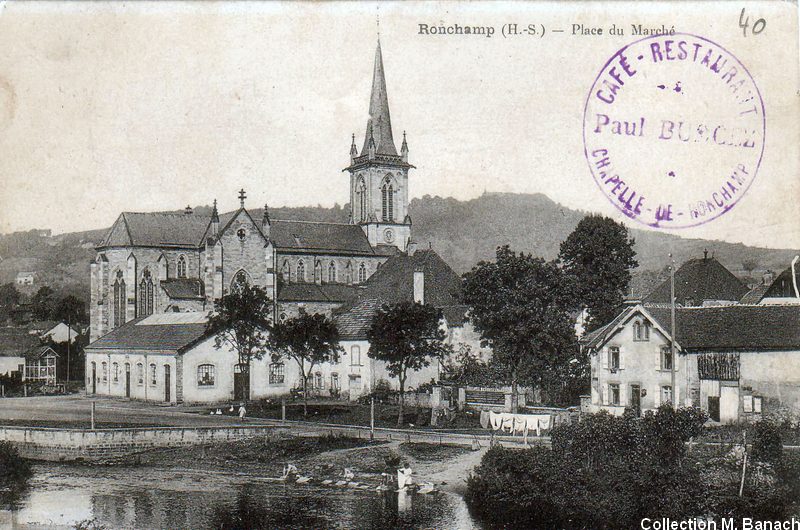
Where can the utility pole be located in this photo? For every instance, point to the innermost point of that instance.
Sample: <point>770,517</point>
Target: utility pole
<point>673,331</point>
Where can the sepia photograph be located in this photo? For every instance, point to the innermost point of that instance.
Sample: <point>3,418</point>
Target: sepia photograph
<point>400,265</point>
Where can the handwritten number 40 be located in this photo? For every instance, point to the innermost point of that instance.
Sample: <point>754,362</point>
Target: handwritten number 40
<point>758,25</point>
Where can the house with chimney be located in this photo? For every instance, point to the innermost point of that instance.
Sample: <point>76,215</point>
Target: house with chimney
<point>156,276</point>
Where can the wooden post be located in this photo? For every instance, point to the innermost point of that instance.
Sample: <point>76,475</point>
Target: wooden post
<point>372,418</point>
<point>283,409</point>
<point>93,408</point>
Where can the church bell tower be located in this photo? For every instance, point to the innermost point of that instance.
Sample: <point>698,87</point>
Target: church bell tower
<point>378,175</point>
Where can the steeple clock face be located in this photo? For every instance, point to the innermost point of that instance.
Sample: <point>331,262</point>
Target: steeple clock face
<point>388,235</point>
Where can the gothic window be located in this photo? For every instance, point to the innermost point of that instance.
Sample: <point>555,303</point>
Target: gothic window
<point>285,271</point>
<point>146,294</point>
<point>119,300</point>
<point>182,267</point>
<point>317,271</point>
<point>361,199</point>
<point>301,271</point>
<point>332,272</point>
<point>348,273</point>
<point>362,273</point>
<point>387,201</point>
<point>240,280</point>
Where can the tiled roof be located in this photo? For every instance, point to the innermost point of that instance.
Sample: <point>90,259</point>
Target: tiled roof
<point>698,280</point>
<point>15,341</point>
<point>183,288</point>
<point>311,292</point>
<point>319,237</point>
<point>721,328</point>
<point>782,286</point>
<point>394,282</point>
<point>157,230</point>
<point>140,335</point>
<point>754,295</point>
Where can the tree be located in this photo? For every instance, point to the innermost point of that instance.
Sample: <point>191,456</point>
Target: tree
<point>406,336</point>
<point>9,296</point>
<point>598,257</point>
<point>519,304</point>
<point>241,320</point>
<point>69,309</point>
<point>43,303</point>
<point>309,339</point>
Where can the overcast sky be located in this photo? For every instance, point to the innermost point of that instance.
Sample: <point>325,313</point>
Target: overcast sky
<point>142,107</point>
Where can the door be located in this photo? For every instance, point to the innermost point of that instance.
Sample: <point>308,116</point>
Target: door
<point>127,380</point>
<point>166,383</point>
<point>713,407</point>
<point>94,378</point>
<point>636,399</point>
<point>728,404</point>
<point>239,382</point>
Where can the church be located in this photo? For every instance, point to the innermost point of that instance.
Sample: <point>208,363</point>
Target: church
<point>156,276</point>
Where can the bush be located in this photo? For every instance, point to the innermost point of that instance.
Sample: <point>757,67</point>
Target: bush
<point>380,392</point>
<point>13,468</point>
<point>767,441</point>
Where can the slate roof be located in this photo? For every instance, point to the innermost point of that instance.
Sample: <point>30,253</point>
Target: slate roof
<point>138,334</point>
<point>754,295</point>
<point>311,292</point>
<point>183,288</point>
<point>379,124</point>
<point>698,280</point>
<point>37,352</point>
<point>721,328</point>
<point>392,283</point>
<point>157,230</point>
<point>334,238</point>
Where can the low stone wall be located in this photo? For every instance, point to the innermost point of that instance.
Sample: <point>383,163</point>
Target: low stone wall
<point>78,444</point>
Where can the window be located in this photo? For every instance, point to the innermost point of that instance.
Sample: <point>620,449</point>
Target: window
<point>276,376</point>
<point>387,201</point>
<point>240,280</point>
<point>152,375</point>
<point>140,373</point>
<point>641,331</point>
<point>613,358</point>
<point>335,382</point>
<point>119,300</point>
<point>355,356</point>
<point>332,272</point>
<point>319,382</point>
<point>361,199</point>
<point>666,394</point>
<point>182,267</point>
<point>104,371</point>
<point>115,372</point>
<point>146,294</point>
<point>205,375</point>
<point>666,358</point>
<point>348,273</point>
<point>362,273</point>
<point>757,404</point>
<point>355,383</point>
<point>285,271</point>
<point>301,271</point>
<point>614,391</point>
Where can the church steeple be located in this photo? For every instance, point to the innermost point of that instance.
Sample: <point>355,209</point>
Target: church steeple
<point>379,125</point>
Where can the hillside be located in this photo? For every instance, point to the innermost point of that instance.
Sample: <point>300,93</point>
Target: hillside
<point>462,232</point>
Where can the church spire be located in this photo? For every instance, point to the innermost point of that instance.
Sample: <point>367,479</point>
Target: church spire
<point>379,125</point>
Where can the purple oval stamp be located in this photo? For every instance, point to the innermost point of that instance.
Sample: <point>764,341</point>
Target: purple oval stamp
<point>673,130</point>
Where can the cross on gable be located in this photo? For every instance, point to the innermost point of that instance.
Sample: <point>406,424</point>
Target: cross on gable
<point>242,197</point>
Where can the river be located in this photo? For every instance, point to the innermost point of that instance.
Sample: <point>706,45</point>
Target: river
<point>61,495</point>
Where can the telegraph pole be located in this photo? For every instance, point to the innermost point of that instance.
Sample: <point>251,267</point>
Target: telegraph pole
<point>673,331</point>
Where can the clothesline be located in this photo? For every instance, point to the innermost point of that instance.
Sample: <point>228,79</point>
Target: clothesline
<point>516,423</point>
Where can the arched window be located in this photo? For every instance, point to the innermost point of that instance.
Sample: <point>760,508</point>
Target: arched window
<point>182,267</point>
<point>104,371</point>
<point>301,271</point>
<point>240,279</point>
<point>362,273</point>
<point>361,199</point>
<point>119,300</point>
<point>146,294</point>
<point>152,374</point>
<point>319,382</point>
<point>355,355</point>
<point>205,375</point>
<point>332,272</point>
<point>115,372</point>
<point>140,373</point>
<point>348,273</point>
<point>317,271</point>
<point>285,271</point>
<point>387,201</point>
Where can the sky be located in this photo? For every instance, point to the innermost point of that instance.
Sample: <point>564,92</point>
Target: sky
<point>153,106</point>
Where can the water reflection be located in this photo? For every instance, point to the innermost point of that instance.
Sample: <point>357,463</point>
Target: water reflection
<point>142,498</point>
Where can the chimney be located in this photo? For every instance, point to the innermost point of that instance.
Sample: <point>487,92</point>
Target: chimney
<point>188,210</point>
<point>411,247</point>
<point>265,223</point>
<point>419,285</point>
<point>215,220</point>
